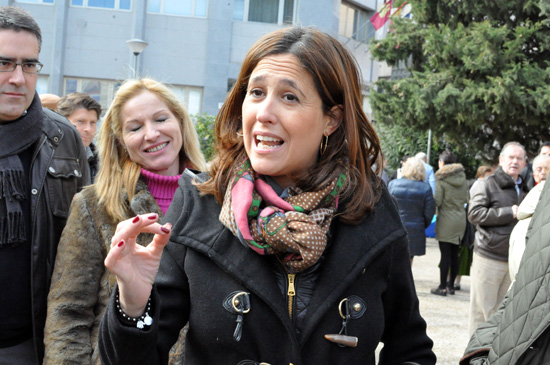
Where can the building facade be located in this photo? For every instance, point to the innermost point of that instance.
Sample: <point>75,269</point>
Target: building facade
<point>196,46</point>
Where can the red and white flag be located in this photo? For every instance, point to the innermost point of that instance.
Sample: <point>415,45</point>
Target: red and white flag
<point>381,17</point>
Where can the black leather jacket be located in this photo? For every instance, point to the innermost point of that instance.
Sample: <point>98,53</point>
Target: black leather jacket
<point>59,169</point>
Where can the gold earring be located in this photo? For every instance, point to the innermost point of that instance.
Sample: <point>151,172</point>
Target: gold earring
<point>324,144</point>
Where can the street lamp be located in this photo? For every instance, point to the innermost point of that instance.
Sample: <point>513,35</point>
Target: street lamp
<point>136,46</point>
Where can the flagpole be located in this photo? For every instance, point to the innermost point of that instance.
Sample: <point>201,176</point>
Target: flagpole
<point>399,8</point>
<point>429,145</point>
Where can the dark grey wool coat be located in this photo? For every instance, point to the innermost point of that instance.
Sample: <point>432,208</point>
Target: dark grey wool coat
<point>204,264</point>
<point>81,285</point>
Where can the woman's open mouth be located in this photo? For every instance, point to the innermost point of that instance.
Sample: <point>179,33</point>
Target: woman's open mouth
<point>267,142</point>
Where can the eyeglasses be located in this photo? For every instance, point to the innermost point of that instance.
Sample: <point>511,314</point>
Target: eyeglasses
<point>27,67</point>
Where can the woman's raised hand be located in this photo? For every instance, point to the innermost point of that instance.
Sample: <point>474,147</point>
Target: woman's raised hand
<point>136,266</point>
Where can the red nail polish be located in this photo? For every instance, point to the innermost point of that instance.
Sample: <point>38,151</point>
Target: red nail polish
<point>135,219</point>
<point>120,243</point>
<point>165,230</point>
<point>152,216</point>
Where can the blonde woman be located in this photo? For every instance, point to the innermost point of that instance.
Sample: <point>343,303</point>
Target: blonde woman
<point>145,142</point>
<point>416,204</point>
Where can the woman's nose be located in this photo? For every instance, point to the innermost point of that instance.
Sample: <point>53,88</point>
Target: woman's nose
<point>151,131</point>
<point>267,111</point>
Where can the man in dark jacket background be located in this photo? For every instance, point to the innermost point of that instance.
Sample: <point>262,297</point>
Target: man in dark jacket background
<point>42,165</point>
<point>493,208</point>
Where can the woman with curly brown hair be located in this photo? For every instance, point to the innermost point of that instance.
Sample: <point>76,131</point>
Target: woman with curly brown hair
<point>290,250</point>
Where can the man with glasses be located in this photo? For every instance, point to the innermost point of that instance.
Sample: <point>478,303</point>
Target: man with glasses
<point>493,209</point>
<point>42,165</point>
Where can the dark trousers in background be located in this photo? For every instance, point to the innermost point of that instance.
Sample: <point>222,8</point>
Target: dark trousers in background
<point>449,260</point>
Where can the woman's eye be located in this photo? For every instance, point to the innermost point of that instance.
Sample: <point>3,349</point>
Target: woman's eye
<point>161,119</point>
<point>290,97</point>
<point>256,92</point>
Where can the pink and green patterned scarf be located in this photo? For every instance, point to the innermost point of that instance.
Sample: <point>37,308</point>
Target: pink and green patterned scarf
<point>294,228</point>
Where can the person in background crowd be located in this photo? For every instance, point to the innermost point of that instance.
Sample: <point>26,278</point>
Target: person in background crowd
<point>493,209</point>
<point>482,172</point>
<point>541,167</point>
<point>397,174</point>
<point>517,333</point>
<point>49,101</point>
<point>83,112</point>
<point>527,172</point>
<point>544,149</point>
<point>466,254</point>
<point>299,229</point>
<point>384,174</point>
<point>430,176</point>
<point>415,202</point>
<point>451,195</point>
<point>42,165</point>
<point>145,142</point>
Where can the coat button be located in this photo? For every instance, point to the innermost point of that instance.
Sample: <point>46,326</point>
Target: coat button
<point>55,139</point>
<point>357,307</point>
<point>76,172</point>
<point>34,191</point>
<point>52,170</point>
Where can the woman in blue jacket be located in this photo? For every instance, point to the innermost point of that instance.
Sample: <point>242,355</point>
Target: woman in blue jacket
<point>415,202</point>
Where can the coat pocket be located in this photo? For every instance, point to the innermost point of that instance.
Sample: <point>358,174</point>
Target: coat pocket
<point>62,184</point>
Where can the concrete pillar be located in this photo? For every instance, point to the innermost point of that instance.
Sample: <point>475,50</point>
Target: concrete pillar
<point>138,31</point>
<point>57,61</point>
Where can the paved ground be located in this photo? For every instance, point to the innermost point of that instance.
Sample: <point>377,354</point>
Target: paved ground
<point>447,317</point>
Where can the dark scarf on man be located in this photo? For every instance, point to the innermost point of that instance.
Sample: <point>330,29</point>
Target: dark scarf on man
<point>294,227</point>
<point>16,137</point>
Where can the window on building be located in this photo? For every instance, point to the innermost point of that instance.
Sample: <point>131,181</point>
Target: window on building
<point>107,4</point>
<point>264,11</point>
<point>36,1</point>
<point>191,97</point>
<point>103,91</point>
<point>355,23</point>
<point>196,8</point>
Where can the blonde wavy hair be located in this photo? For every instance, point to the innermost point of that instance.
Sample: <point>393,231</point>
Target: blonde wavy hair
<point>118,173</point>
<point>413,169</point>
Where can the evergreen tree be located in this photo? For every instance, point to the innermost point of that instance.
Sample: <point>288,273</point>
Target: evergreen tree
<point>479,73</point>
